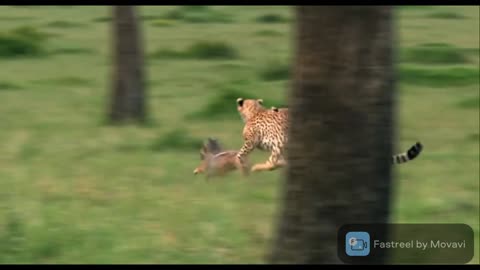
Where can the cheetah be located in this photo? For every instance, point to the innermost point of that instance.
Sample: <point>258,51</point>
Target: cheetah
<point>267,130</point>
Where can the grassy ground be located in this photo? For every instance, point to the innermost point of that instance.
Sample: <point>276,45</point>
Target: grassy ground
<point>75,190</point>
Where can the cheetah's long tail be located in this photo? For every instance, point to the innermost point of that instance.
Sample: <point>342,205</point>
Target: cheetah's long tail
<point>411,154</point>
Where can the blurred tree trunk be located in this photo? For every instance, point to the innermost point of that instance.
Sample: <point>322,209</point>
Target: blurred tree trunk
<point>128,86</point>
<point>340,140</point>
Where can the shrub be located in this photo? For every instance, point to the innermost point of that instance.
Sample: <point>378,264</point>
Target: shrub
<point>268,33</point>
<point>163,23</point>
<point>200,50</point>
<point>445,15</point>
<point>197,14</point>
<point>444,77</point>
<point>212,50</point>
<point>434,53</point>
<point>9,86</point>
<point>470,103</point>
<point>102,19</point>
<point>22,42</point>
<point>64,24</point>
<point>168,54</point>
<point>272,18</point>
<point>66,81</point>
<point>73,51</point>
<point>275,71</point>
<point>222,106</point>
<point>150,17</point>
<point>474,137</point>
<point>177,139</point>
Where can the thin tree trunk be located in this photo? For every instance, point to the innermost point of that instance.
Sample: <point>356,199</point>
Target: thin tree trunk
<point>340,139</point>
<point>128,88</point>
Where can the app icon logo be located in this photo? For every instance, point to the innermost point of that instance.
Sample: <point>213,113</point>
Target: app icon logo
<point>357,244</point>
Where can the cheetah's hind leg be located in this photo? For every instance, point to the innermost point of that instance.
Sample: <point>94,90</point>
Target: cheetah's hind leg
<point>274,161</point>
<point>267,166</point>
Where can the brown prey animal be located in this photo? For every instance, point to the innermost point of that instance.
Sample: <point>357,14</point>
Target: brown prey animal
<point>215,161</point>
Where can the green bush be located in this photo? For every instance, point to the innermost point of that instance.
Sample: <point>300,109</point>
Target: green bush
<point>271,18</point>
<point>9,86</point>
<point>168,54</point>
<point>470,103</point>
<point>12,237</point>
<point>445,15</point>
<point>200,50</point>
<point>439,77</point>
<point>102,19</point>
<point>474,137</point>
<point>73,51</point>
<point>197,14</point>
<point>222,106</point>
<point>268,33</point>
<point>177,139</point>
<point>414,7</point>
<point>163,23</point>
<point>275,71</point>
<point>434,53</point>
<point>66,81</point>
<point>64,24</point>
<point>30,33</point>
<point>150,17</point>
<point>212,50</point>
<point>472,51</point>
<point>15,18</point>
<point>22,42</point>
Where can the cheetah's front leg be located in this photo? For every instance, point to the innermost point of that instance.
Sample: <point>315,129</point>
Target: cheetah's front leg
<point>241,164</point>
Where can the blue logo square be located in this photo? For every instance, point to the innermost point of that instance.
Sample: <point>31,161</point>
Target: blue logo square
<point>357,244</point>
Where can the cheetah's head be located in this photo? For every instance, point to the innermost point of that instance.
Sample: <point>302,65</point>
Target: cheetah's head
<point>249,107</point>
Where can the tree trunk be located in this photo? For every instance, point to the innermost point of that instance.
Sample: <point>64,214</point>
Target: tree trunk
<point>128,87</point>
<point>340,139</point>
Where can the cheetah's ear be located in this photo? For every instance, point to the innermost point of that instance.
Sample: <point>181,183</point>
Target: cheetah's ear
<point>260,101</point>
<point>240,102</point>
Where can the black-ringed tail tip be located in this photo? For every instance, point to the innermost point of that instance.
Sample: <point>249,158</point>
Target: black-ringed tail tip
<point>413,152</point>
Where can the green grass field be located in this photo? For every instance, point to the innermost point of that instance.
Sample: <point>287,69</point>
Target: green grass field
<point>73,190</point>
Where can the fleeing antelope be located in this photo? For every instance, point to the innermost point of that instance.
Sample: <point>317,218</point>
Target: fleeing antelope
<point>215,161</point>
